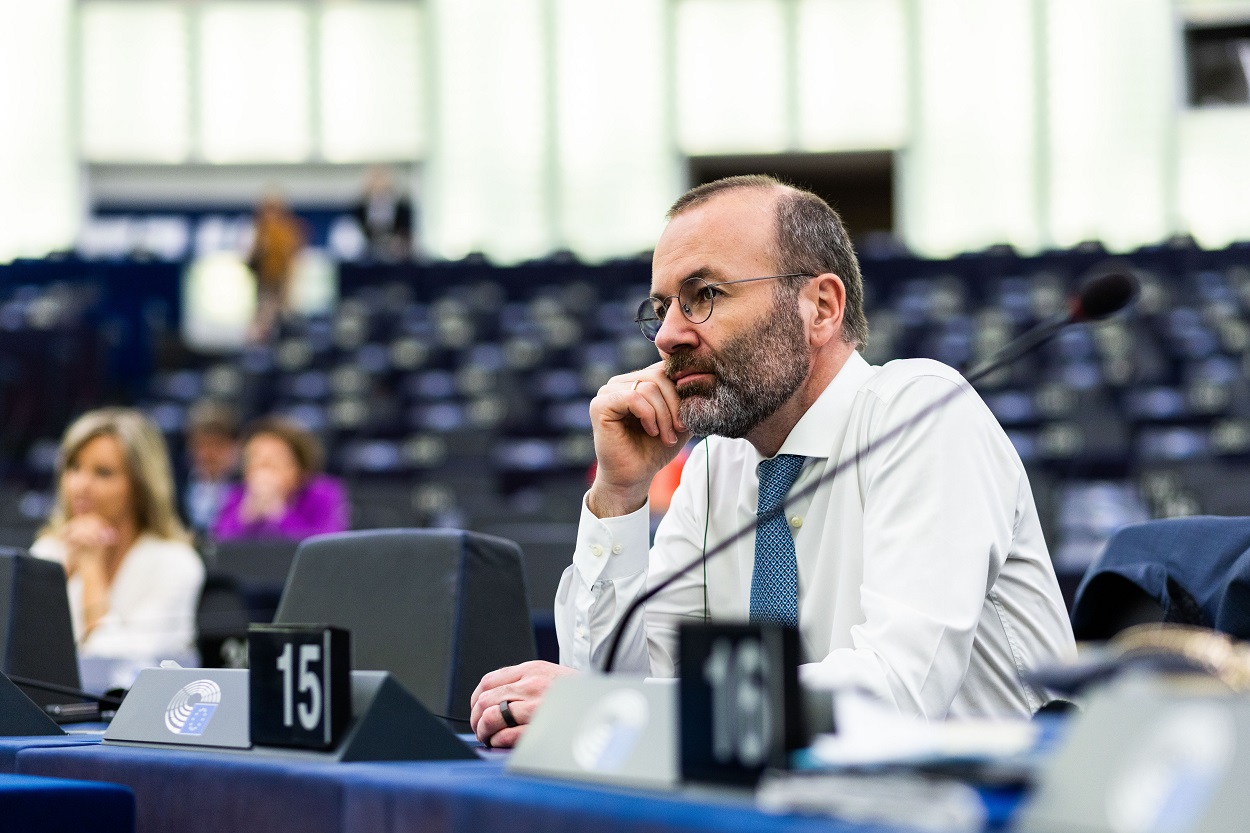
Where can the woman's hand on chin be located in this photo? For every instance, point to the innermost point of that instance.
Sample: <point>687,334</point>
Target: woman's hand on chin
<point>88,538</point>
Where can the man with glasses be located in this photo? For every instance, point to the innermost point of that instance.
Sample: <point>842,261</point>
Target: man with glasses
<point>916,571</point>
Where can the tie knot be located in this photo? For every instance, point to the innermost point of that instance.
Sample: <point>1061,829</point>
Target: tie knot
<point>777,475</point>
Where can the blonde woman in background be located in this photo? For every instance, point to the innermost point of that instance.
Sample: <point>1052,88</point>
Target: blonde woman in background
<point>134,580</point>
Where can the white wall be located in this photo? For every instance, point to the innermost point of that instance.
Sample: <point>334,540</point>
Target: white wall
<point>968,172</point>
<point>39,198</point>
<point>543,124</point>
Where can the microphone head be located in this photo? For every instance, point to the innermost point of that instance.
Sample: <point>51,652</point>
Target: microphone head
<point>1104,294</point>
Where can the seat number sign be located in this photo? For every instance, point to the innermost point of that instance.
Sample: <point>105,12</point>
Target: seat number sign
<point>299,685</point>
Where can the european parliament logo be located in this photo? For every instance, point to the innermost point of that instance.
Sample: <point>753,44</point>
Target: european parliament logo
<point>192,707</point>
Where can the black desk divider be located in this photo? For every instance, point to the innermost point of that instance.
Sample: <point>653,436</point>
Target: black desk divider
<point>20,716</point>
<point>36,636</point>
<point>391,725</point>
<point>207,708</point>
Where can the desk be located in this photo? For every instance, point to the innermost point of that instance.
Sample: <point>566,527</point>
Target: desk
<point>32,805</point>
<point>178,790</point>
<point>481,796</point>
<point>10,746</point>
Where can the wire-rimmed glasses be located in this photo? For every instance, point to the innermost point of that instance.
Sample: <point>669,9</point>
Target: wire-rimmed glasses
<point>695,298</point>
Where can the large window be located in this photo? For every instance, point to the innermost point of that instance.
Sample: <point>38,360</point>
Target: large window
<point>251,81</point>
<point>773,76</point>
<point>39,188</point>
<point>371,76</point>
<point>535,125</point>
<point>135,82</point>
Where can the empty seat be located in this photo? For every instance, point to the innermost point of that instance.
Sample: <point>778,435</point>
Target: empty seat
<point>436,608</point>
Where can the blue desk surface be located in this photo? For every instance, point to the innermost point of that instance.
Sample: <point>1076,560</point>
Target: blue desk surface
<point>190,791</point>
<point>390,798</point>
<point>215,791</point>
<point>34,805</point>
<point>10,746</point>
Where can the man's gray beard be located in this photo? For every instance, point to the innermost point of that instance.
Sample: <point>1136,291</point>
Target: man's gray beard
<point>753,376</point>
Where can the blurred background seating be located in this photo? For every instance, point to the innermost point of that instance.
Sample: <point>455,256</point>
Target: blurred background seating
<point>457,395</point>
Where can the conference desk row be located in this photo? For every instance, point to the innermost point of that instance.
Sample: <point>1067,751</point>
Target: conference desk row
<point>181,790</point>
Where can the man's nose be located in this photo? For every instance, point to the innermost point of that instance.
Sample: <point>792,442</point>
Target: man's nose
<point>675,332</point>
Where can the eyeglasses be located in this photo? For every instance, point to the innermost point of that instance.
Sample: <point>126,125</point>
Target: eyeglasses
<point>694,297</point>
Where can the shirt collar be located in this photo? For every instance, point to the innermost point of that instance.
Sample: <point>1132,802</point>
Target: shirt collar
<point>828,415</point>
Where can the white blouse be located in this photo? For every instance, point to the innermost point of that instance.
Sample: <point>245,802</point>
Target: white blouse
<point>152,601</point>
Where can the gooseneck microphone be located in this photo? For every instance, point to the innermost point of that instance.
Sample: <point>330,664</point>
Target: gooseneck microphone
<point>1099,297</point>
<point>70,712</point>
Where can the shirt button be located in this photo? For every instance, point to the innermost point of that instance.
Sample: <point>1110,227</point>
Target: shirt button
<point>796,522</point>
<point>581,632</point>
<point>596,551</point>
<point>617,549</point>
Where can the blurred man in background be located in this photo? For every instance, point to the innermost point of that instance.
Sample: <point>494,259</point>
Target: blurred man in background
<point>212,433</point>
<point>385,216</point>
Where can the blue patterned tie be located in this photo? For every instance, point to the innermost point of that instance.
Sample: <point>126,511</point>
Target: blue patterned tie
<point>775,579</point>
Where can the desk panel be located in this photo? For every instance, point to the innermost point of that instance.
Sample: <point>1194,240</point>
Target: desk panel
<point>178,790</point>
<point>481,796</point>
<point>193,791</point>
<point>10,746</point>
<point>34,805</point>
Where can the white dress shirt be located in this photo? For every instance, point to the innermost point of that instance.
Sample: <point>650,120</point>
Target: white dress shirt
<point>152,600</point>
<point>923,574</point>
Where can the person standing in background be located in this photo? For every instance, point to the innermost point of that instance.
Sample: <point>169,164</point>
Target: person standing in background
<point>279,237</point>
<point>385,217</point>
<point>133,578</point>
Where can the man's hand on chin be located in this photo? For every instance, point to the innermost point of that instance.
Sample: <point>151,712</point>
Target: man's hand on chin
<point>521,688</point>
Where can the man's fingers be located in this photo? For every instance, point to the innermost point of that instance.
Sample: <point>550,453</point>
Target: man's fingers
<point>506,738</point>
<point>489,722</point>
<point>493,729</point>
<point>494,679</point>
<point>663,403</point>
<point>488,699</point>
<point>649,397</point>
<point>640,405</point>
<point>673,403</point>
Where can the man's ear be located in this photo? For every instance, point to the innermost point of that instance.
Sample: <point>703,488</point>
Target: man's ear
<point>828,296</point>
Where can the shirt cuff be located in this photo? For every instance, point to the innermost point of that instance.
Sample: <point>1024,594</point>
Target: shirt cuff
<point>612,548</point>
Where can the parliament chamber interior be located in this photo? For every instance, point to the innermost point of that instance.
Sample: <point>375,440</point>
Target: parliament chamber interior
<point>990,161</point>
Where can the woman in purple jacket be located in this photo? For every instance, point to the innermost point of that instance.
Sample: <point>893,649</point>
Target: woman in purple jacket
<point>283,494</point>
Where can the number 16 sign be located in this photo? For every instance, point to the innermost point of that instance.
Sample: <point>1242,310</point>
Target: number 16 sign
<point>299,684</point>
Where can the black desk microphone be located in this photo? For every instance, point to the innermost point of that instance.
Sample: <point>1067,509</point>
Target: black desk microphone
<point>1098,298</point>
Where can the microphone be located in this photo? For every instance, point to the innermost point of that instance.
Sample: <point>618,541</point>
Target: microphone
<point>1099,297</point>
<point>70,712</point>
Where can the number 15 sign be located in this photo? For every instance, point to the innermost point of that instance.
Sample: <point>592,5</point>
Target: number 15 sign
<point>299,684</point>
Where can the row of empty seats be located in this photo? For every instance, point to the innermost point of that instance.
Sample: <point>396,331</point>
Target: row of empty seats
<point>457,393</point>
